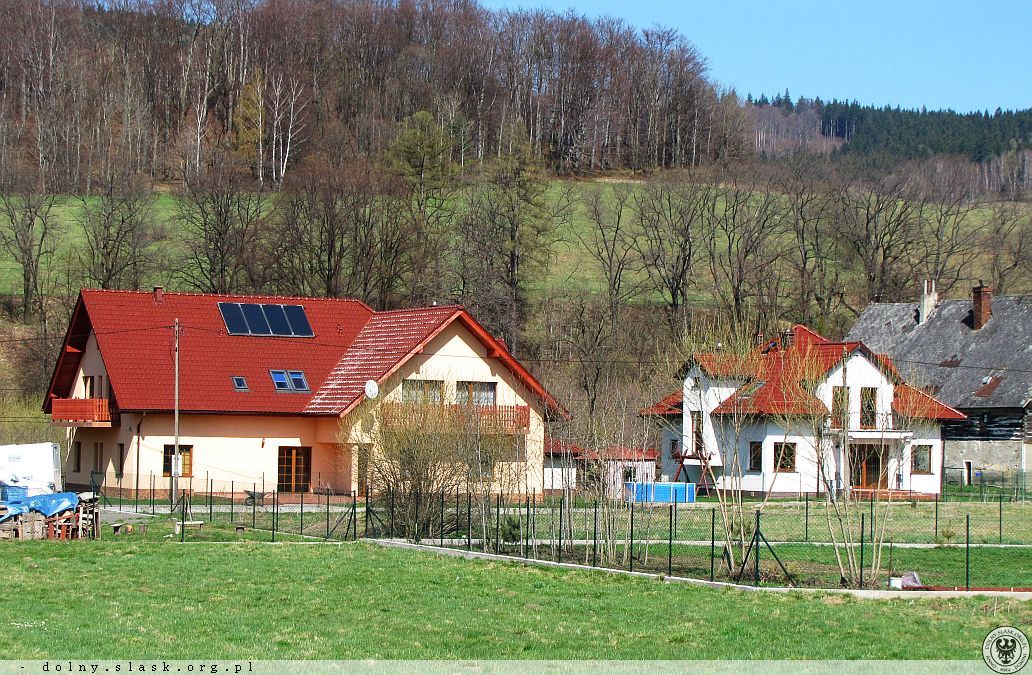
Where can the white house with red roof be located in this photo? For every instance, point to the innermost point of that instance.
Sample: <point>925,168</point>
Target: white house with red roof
<point>801,414</point>
<point>264,384</point>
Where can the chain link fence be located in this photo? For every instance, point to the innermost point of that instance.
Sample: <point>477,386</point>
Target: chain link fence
<point>949,544</point>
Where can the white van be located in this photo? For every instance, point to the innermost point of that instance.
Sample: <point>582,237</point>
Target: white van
<point>35,466</point>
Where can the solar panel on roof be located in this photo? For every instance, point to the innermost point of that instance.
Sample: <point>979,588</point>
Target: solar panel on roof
<point>257,324</point>
<point>298,320</point>
<point>243,318</point>
<point>277,320</point>
<point>234,318</point>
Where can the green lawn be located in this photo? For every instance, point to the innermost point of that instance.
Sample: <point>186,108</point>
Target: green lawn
<point>151,598</point>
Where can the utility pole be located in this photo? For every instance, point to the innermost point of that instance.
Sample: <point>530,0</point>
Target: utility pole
<point>176,463</point>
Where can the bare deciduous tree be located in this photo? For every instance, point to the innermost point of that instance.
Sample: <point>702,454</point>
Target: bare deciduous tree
<point>119,232</point>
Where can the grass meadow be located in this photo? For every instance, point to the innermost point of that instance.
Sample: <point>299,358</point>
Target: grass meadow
<point>150,597</point>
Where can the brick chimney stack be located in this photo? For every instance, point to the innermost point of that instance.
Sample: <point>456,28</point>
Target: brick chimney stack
<point>981,305</point>
<point>159,295</point>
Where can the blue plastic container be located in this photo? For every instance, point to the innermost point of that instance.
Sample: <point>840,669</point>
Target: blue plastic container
<point>13,493</point>
<point>661,493</point>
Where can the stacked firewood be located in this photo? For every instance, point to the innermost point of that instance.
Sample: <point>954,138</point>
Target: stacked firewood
<point>80,522</point>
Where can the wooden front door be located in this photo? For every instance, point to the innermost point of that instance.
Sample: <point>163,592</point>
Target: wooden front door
<point>295,470</point>
<point>869,466</point>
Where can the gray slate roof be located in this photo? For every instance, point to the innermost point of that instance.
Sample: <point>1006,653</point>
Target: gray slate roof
<point>965,368</point>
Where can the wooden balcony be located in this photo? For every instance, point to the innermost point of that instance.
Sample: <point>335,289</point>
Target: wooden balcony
<point>485,419</point>
<point>80,412</point>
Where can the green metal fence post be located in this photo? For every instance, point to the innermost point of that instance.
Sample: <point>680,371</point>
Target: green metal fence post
<point>594,538</point>
<point>182,518</point>
<point>391,496</point>
<point>630,557</point>
<point>967,553</point>
<point>365,527</point>
<point>354,515</point>
<point>756,545</point>
<point>275,508</point>
<point>526,529</point>
<point>469,521</point>
<point>254,505</point>
<point>862,530</point>
<point>498,520</point>
<point>442,518</point>
<point>806,535</point>
<point>936,516</point>
<point>713,543</point>
<point>562,500</point>
<point>670,544</point>
<point>1001,519</point>
<point>327,514</point>
<point>416,534</point>
<point>211,500</point>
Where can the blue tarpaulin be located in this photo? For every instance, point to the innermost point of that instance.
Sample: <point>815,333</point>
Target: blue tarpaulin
<point>48,505</point>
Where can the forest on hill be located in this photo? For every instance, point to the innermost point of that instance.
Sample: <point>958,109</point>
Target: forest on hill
<point>582,186</point>
<point>1002,137</point>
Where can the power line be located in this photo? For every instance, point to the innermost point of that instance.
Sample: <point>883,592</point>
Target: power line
<point>387,351</point>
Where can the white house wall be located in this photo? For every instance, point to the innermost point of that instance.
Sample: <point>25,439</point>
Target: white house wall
<point>721,435</point>
<point>702,393</point>
<point>859,372</point>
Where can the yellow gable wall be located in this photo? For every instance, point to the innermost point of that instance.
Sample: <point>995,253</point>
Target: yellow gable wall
<point>456,355</point>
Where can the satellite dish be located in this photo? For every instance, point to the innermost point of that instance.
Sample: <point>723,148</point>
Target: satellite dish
<point>372,389</point>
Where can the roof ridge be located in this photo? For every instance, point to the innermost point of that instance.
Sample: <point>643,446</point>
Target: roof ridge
<point>418,308</point>
<point>198,294</point>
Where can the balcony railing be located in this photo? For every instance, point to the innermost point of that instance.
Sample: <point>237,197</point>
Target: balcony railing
<point>80,412</point>
<point>486,419</point>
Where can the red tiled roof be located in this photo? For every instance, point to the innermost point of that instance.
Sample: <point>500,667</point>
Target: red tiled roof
<point>352,344</point>
<point>554,446</point>
<point>671,404</point>
<point>912,402</point>
<point>621,454</point>
<point>778,378</point>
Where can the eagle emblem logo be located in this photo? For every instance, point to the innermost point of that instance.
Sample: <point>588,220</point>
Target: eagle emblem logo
<point>1005,650</point>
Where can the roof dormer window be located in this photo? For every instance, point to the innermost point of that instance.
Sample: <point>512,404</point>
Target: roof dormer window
<point>240,383</point>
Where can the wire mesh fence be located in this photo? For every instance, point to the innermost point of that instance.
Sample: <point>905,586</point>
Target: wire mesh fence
<point>782,544</point>
<point>955,544</point>
<point>978,484</point>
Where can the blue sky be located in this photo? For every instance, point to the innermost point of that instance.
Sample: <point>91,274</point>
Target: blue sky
<point>964,55</point>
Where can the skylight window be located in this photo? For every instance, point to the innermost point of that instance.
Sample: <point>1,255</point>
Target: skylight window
<point>240,383</point>
<point>242,318</point>
<point>289,380</point>
<point>280,380</point>
<point>297,380</point>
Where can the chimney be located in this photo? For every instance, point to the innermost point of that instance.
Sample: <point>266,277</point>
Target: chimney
<point>981,305</point>
<point>159,295</point>
<point>929,301</point>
